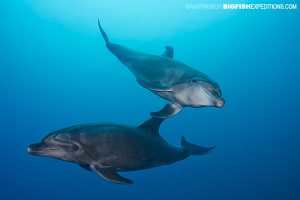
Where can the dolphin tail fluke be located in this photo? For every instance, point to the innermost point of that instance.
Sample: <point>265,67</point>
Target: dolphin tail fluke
<point>103,33</point>
<point>195,149</point>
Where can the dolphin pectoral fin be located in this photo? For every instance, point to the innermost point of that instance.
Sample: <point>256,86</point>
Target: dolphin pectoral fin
<point>169,52</point>
<point>86,167</point>
<point>168,111</point>
<point>110,174</point>
<point>157,86</point>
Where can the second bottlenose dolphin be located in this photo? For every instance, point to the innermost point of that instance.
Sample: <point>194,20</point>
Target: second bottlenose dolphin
<point>110,148</point>
<point>174,81</point>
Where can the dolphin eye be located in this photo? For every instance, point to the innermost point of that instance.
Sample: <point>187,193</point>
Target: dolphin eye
<point>195,80</point>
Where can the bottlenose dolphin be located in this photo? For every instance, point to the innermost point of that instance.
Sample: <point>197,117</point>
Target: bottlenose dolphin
<point>109,148</point>
<point>174,81</point>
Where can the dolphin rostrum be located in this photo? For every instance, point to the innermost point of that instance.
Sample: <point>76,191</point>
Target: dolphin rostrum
<point>181,85</point>
<point>109,148</point>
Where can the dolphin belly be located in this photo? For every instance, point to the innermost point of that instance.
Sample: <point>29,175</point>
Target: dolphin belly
<point>129,151</point>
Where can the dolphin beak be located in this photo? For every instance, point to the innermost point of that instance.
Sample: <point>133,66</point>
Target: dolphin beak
<point>220,102</point>
<point>29,149</point>
<point>38,148</point>
<point>33,148</point>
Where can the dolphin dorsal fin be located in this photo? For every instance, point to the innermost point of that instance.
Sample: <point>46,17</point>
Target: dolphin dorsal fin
<point>151,125</point>
<point>169,52</point>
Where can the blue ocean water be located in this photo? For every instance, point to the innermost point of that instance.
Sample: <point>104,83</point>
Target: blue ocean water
<point>55,72</point>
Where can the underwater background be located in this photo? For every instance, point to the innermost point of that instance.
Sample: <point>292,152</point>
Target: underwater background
<point>55,71</point>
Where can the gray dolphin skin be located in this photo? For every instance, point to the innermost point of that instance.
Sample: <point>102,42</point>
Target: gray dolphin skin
<point>181,85</point>
<point>110,148</point>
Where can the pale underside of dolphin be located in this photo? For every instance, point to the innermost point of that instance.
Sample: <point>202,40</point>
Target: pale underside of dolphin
<point>180,84</point>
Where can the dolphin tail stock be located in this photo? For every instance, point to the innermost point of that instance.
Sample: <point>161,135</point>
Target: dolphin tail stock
<point>103,33</point>
<point>195,149</point>
<point>121,52</point>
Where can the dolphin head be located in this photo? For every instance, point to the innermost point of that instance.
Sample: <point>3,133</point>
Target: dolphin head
<point>56,145</point>
<point>200,91</point>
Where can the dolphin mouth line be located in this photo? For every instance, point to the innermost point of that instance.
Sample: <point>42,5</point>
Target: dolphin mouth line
<point>42,149</point>
<point>42,152</point>
<point>209,94</point>
<point>219,101</point>
<point>53,149</point>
